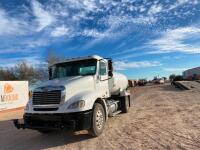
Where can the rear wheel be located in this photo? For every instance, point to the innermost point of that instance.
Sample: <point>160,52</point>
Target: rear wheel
<point>125,104</point>
<point>98,120</point>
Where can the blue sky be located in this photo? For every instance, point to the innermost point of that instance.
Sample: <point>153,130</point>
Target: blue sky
<point>145,38</point>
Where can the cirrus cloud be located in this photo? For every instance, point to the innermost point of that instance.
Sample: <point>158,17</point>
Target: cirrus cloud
<point>43,17</point>
<point>124,65</point>
<point>60,31</point>
<point>175,40</point>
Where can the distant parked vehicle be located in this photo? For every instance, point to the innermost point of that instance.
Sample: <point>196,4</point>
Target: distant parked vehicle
<point>132,83</point>
<point>142,82</point>
<point>158,81</point>
<point>161,81</point>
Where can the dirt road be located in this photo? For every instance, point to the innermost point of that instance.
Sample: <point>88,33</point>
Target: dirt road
<point>160,117</point>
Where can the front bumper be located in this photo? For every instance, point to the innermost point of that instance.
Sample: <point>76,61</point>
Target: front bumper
<point>65,121</point>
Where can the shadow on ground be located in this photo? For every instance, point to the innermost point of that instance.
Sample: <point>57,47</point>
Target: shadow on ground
<point>33,140</point>
<point>169,87</point>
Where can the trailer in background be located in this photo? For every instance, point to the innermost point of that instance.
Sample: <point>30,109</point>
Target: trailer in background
<point>132,83</point>
<point>13,94</point>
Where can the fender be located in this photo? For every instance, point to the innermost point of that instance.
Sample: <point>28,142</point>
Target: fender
<point>90,97</point>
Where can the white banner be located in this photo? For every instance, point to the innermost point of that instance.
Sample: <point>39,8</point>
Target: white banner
<point>13,94</point>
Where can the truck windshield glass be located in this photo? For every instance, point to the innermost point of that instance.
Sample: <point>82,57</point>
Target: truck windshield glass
<point>76,68</point>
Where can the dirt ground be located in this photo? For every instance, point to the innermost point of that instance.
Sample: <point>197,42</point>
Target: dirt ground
<point>160,117</point>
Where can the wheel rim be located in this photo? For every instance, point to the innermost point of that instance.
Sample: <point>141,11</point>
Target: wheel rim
<point>99,119</point>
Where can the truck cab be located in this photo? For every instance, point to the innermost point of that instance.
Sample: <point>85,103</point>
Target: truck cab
<point>80,95</point>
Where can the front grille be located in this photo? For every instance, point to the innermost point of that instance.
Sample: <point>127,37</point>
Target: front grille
<point>47,98</point>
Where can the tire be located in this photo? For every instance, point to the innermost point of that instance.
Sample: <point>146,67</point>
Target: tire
<point>125,104</point>
<point>98,120</point>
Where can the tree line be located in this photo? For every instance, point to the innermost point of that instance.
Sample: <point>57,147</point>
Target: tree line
<point>24,71</point>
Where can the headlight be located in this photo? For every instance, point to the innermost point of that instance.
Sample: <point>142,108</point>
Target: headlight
<point>63,95</point>
<point>78,104</point>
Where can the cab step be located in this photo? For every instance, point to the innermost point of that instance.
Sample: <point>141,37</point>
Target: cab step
<point>115,113</point>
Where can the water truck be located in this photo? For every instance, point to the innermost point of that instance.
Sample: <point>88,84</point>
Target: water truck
<point>81,94</point>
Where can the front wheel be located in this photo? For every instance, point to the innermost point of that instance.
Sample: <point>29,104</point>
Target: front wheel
<point>98,120</point>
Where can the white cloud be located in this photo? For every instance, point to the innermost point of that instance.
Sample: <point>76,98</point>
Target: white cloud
<point>43,17</point>
<point>24,46</point>
<point>115,29</point>
<point>9,25</point>
<point>34,43</point>
<point>142,9</point>
<point>172,57</point>
<point>121,65</point>
<point>175,40</point>
<point>57,18</point>
<point>116,21</point>
<point>60,31</point>
<point>155,9</point>
<point>89,4</point>
<point>175,69</point>
<point>178,3</point>
<point>94,33</point>
<point>32,60</point>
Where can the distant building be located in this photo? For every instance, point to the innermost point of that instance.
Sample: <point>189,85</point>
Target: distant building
<point>192,74</point>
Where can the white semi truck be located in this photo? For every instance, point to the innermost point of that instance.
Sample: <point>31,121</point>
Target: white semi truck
<point>81,94</point>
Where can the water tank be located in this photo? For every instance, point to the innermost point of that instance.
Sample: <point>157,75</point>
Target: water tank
<point>120,83</point>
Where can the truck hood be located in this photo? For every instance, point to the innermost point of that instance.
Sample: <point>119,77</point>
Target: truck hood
<point>73,85</point>
<point>65,81</point>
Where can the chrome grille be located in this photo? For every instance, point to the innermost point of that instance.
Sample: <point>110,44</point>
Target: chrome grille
<point>47,97</point>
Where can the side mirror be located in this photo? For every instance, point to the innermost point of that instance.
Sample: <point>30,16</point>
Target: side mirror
<point>110,68</point>
<point>110,73</point>
<point>50,73</point>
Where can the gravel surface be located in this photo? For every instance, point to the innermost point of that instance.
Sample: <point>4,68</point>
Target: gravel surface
<point>161,117</point>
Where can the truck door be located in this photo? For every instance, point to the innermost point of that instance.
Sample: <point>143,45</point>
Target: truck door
<point>103,79</point>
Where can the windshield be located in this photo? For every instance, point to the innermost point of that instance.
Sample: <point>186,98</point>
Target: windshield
<point>76,68</point>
